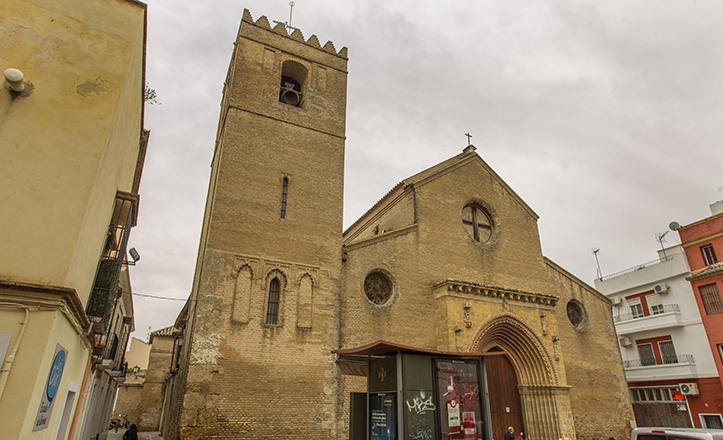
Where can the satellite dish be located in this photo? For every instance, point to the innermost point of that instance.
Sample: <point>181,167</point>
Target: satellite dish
<point>674,226</point>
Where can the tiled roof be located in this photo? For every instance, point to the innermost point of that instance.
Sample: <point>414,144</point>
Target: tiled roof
<point>167,331</point>
<point>707,271</point>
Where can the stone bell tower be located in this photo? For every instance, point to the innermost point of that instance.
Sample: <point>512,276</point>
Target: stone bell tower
<point>262,318</point>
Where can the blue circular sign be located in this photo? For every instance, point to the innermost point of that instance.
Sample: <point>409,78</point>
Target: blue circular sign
<point>56,372</point>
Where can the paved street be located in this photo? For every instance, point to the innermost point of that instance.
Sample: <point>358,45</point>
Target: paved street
<point>141,435</point>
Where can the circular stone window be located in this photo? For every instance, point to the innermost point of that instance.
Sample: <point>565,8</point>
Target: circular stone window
<point>477,222</point>
<point>378,288</point>
<point>577,314</point>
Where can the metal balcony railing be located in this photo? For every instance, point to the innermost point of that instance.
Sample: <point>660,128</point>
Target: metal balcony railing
<point>636,268</point>
<point>680,359</point>
<point>668,308</point>
<point>107,277</point>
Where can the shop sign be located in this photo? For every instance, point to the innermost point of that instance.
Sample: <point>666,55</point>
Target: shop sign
<point>42,420</point>
<point>383,416</point>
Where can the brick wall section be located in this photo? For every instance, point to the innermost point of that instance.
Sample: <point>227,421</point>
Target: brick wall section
<point>151,403</point>
<point>129,401</point>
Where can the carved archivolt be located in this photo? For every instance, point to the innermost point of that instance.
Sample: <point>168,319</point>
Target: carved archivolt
<point>531,359</point>
<point>275,273</point>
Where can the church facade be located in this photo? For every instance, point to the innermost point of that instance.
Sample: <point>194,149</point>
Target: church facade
<point>448,264</point>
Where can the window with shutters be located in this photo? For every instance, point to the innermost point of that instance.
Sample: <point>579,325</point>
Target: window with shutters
<point>655,304</point>
<point>636,308</point>
<point>708,254</point>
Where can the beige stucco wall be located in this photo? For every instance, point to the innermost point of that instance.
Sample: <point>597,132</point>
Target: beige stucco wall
<point>72,137</point>
<point>70,141</point>
<point>29,374</point>
<point>138,353</point>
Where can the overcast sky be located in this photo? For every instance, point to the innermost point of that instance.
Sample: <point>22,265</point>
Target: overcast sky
<point>605,117</point>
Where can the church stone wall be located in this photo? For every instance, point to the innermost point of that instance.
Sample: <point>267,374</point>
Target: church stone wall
<point>599,394</point>
<point>240,381</point>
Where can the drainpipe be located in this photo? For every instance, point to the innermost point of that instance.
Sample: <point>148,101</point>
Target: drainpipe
<point>5,372</point>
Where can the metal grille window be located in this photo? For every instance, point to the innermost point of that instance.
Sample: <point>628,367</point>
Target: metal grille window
<point>667,352</point>
<point>708,254</point>
<point>646,354</point>
<point>711,299</point>
<point>272,309</point>
<point>284,192</point>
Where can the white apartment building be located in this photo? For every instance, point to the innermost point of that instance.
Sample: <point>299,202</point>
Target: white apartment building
<point>662,340</point>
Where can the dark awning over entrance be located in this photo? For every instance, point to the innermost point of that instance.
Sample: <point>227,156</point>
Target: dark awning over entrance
<point>353,361</point>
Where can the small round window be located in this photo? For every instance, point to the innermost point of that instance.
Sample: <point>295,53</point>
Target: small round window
<point>477,223</point>
<point>378,288</point>
<point>576,314</point>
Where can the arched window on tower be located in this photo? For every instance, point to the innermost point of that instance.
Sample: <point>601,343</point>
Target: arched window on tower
<point>284,192</point>
<point>293,79</point>
<point>272,309</point>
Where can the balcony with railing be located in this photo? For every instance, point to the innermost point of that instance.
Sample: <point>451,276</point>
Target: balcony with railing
<point>657,317</point>
<point>105,288</point>
<point>673,367</point>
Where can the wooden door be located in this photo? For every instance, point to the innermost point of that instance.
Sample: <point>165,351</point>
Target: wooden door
<point>505,407</point>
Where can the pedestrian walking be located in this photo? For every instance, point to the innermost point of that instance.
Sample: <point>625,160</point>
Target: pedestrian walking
<point>131,434</point>
<point>510,434</point>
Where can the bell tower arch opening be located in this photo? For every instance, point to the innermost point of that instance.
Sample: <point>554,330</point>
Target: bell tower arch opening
<point>528,367</point>
<point>293,80</point>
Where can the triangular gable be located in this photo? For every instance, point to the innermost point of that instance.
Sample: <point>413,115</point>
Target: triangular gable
<point>468,155</point>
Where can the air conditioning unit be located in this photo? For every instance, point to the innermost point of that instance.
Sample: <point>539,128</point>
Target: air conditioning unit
<point>616,300</point>
<point>626,342</point>
<point>660,288</point>
<point>689,389</point>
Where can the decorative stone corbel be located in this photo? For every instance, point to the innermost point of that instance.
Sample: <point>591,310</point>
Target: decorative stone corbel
<point>457,339</point>
<point>467,314</point>
<point>555,346</point>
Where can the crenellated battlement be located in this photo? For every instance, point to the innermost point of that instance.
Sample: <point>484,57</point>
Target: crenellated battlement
<point>263,23</point>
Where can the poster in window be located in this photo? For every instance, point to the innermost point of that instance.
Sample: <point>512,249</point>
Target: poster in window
<point>383,416</point>
<point>459,400</point>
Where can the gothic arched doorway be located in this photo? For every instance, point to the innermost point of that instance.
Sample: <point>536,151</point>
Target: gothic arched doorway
<point>504,402</point>
<point>526,379</point>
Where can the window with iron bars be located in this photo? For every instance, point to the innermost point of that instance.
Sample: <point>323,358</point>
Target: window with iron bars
<point>272,309</point>
<point>710,296</point>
